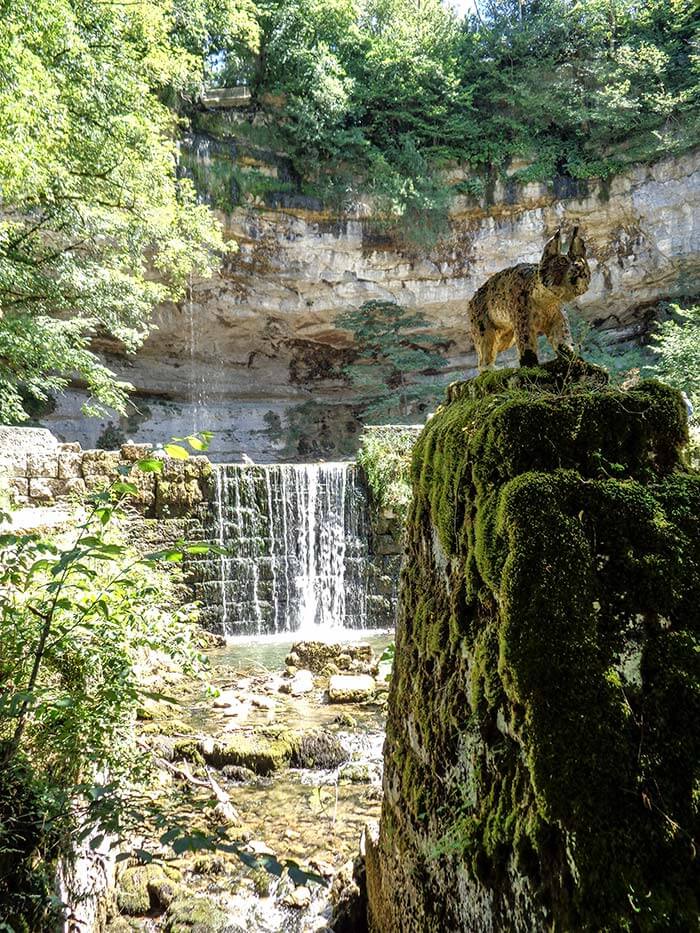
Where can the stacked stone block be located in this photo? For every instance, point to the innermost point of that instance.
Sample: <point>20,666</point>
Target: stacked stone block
<point>40,470</point>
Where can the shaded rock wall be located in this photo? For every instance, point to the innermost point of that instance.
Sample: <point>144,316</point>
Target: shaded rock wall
<point>541,760</point>
<point>255,354</point>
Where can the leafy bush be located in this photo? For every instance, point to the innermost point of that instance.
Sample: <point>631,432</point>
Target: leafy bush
<point>676,346</point>
<point>79,617</point>
<point>385,457</point>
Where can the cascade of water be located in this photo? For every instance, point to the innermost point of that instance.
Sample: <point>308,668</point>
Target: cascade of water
<point>222,544</point>
<point>297,540</point>
<point>196,380</point>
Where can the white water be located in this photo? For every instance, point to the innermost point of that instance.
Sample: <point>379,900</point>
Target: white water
<point>297,538</point>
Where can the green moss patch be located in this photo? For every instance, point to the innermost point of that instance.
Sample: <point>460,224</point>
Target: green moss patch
<point>544,718</point>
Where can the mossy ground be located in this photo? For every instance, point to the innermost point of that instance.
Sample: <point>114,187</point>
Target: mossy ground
<point>545,710</point>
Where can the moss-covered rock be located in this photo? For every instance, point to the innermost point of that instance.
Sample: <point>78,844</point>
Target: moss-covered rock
<point>142,889</point>
<point>191,913</point>
<point>543,744</point>
<point>260,750</point>
<point>319,749</point>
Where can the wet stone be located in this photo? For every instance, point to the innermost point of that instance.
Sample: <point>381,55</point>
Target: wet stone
<point>302,682</point>
<point>350,688</point>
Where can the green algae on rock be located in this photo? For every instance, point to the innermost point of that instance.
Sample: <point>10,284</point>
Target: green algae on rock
<point>543,742</point>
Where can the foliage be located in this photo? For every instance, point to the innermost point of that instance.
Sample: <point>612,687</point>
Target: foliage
<point>82,619</point>
<point>385,456</point>
<point>394,352</point>
<point>672,353</point>
<point>380,96</point>
<point>92,205</point>
<point>676,345</point>
<point>598,347</point>
<point>78,619</point>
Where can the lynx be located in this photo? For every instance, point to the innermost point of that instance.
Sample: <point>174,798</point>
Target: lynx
<point>516,305</point>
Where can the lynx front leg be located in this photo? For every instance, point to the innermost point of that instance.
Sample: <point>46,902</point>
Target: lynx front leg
<point>482,333</point>
<point>525,338</point>
<point>559,336</point>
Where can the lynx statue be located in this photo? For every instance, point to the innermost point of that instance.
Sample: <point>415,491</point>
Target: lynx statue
<point>516,305</point>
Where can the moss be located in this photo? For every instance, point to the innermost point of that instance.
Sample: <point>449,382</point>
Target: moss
<point>194,914</point>
<point>143,889</point>
<point>554,534</point>
<point>261,751</point>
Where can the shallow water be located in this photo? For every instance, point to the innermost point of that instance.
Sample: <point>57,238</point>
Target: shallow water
<point>300,814</point>
<point>312,817</point>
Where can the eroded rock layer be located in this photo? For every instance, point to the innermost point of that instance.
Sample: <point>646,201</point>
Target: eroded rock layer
<point>256,354</point>
<point>541,763</point>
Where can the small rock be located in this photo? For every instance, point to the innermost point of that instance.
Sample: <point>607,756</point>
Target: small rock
<point>261,702</point>
<point>323,868</point>
<point>345,720</point>
<point>258,847</point>
<point>300,897</point>
<point>356,773</point>
<point>237,712</point>
<point>302,682</point>
<point>130,451</point>
<point>225,699</point>
<point>238,774</point>
<point>350,688</point>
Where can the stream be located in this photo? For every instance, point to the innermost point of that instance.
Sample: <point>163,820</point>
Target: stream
<point>312,815</point>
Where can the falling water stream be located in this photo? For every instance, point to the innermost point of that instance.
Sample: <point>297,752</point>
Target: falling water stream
<point>296,537</point>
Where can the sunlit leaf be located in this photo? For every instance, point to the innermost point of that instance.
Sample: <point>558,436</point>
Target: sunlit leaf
<point>176,452</point>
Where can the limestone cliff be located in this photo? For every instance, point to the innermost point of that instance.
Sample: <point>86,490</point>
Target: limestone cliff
<point>543,740</point>
<point>258,342</point>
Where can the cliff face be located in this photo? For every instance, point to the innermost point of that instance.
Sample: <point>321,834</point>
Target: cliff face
<point>542,740</point>
<point>258,341</point>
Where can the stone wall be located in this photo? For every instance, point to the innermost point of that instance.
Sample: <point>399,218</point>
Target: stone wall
<point>40,470</point>
<point>543,734</point>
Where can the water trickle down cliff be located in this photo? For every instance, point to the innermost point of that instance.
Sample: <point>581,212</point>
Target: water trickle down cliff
<point>260,337</point>
<point>543,739</point>
<point>297,537</point>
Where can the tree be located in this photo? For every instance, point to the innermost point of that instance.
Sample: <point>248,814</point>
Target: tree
<point>394,357</point>
<point>96,226</point>
<point>676,346</point>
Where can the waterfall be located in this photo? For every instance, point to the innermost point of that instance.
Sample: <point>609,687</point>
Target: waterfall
<point>297,540</point>
<point>195,380</point>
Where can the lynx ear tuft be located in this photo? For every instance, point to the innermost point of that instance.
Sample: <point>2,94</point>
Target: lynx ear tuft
<point>552,247</point>
<point>577,248</point>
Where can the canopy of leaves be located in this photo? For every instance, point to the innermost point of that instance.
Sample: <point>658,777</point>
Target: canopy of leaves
<point>95,225</point>
<point>377,95</point>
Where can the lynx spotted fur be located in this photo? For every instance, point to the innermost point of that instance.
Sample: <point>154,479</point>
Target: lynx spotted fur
<point>516,305</point>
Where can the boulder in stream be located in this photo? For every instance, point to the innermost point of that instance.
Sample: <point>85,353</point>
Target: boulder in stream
<point>350,688</point>
<point>319,749</point>
<point>302,682</point>
<point>318,655</point>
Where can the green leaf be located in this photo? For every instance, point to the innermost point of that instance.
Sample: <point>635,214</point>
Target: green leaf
<point>193,842</point>
<point>150,465</point>
<point>124,488</point>
<point>176,452</point>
